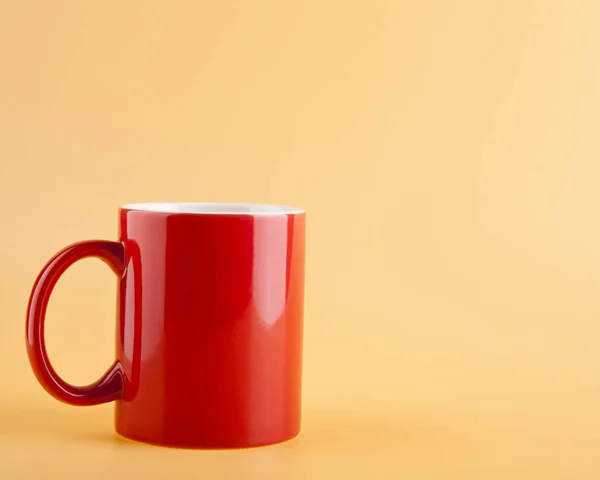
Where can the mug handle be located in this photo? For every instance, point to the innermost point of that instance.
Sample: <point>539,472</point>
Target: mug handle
<point>110,385</point>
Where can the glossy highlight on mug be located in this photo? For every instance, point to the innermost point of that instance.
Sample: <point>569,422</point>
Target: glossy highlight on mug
<point>209,330</point>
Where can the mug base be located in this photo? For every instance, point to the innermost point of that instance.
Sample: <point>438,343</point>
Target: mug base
<point>205,445</point>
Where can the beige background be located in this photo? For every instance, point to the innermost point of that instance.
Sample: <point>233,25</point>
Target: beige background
<point>447,153</point>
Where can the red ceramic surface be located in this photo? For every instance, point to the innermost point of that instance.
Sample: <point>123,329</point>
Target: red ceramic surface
<point>209,328</point>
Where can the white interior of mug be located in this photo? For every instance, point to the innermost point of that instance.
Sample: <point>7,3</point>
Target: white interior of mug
<point>212,208</point>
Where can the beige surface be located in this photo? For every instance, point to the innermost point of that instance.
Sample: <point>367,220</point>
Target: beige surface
<point>448,156</point>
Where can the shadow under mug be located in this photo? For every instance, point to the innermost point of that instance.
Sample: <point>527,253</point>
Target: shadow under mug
<point>209,326</point>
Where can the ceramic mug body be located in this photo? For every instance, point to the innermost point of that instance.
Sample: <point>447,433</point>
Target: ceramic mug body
<point>209,328</point>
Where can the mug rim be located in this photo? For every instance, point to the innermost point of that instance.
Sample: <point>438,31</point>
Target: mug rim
<point>211,208</point>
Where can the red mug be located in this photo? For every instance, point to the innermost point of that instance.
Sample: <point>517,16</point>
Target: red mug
<point>209,327</point>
